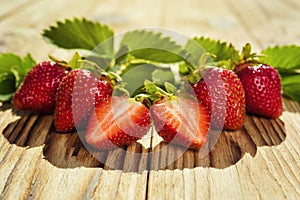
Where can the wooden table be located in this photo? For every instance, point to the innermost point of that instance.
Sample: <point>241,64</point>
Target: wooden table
<point>260,161</point>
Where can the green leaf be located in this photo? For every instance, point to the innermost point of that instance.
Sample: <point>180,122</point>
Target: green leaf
<point>135,75</point>
<point>291,87</point>
<point>7,60</point>
<point>81,34</point>
<point>22,69</point>
<point>7,83</point>
<point>102,61</point>
<point>75,61</point>
<point>201,45</point>
<point>170,88</point>
<point>27,63</point>
<point>246,51</point>
<point>160,76</point>
<point>283,58</point>
<point>7,86</point>
<point>18,74</point>
<point>12,72</point>
<point>152,46</point>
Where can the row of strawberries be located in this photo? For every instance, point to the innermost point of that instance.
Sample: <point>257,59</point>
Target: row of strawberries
<point>82,99</point>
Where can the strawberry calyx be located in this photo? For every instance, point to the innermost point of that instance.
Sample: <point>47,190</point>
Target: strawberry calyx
<point>246,58</point>
<point>204,62</point>
<point>113,78</point>
<point>196,76</point>
<point>155,93</point>
<point>64,64</point>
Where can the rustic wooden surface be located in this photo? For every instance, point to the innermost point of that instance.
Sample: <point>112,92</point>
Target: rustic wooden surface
<point>260,161</point>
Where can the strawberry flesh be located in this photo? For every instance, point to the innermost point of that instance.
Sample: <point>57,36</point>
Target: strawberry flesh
<point>181,121</point>
<point>117,122</point>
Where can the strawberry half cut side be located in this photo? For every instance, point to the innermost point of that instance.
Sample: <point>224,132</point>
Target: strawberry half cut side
<point>117,122</point>
<point>181,121</point>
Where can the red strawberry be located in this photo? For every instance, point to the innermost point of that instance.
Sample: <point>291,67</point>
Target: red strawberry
<point>222,93</point>
<point>262,87</point>
<point>181,121</point>
<point>119,121</point>
<point>37,93</point>
<point>77,94</point>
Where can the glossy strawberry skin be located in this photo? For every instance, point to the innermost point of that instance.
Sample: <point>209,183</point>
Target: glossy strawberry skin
<point>181,121</point>
<point>37,92</point>
<point>77,95</point>
<point>262,87</point>
<point>117,122</point>
<point>222,93</point>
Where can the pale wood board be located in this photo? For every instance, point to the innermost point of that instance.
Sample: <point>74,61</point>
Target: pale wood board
<point>260,161</point>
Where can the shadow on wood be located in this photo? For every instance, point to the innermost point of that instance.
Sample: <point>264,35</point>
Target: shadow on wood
<point>67,150</point>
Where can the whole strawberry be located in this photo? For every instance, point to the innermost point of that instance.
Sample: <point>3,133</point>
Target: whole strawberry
<point>262,87</point>
<point>222,93</point>
<point>37,92</point>
<point>79,92</point>
<point>117,122</point>
<point>181,121</point>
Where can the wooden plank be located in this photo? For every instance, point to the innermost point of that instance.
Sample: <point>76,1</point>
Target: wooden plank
<point>132,185</point>
<point>21,177</point>
<point>108,184</point>
<point>77,183</point>
<point>9,8</point>
<point>158,181</point>
<point>202,183</point>
<point>9,160</point>
<point>206,18</point>
<point>260,161</point>
<point>269,25</point>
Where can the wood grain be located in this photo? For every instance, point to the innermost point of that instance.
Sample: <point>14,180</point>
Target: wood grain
<point>259,161</point>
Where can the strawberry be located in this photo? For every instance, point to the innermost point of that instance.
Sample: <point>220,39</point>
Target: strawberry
<point>77,94</point>
<point>181,121</point>
<point>37,92</point>
<point>262,87</point>
<point>117,122</point>
<point>221,92</point>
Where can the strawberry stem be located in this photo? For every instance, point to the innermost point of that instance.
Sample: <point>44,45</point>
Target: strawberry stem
<point>156,93</point>
<point>60,62</point>
<point>144,98</point>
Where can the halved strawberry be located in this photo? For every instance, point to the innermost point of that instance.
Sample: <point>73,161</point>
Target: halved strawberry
<point>77,94</point>
<point>181,121</point>
<point>37,92</point>
<point>116,122</point>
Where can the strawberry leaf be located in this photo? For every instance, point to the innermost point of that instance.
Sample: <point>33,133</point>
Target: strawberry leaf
<point>7,86</point>
<point>81,34</point>
<point>221,51</point>
<point>151,46</point>
<point>7,60</point>
<point>135,75</point>
<point>284,58</point>
<point>75,61</point>
<point>170,88</point>
<point>291,87</point>
<point>12,72</point>
<point>160,76</point>
<point>27,63</point>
